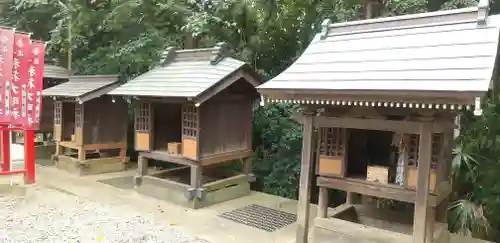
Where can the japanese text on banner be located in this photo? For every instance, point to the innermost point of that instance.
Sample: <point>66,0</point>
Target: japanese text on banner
<point>34,86</point>
<point>20,77</point>
<point>6,52</point>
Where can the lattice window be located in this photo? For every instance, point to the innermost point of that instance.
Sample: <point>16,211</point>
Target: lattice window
<point>58,112</point>
<point>332,141</point>
<point>413,149</point>
<point>78,115</point>
<point>189,121</point>
<point>143,117</point>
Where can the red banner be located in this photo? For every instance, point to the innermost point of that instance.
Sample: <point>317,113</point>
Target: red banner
<point>6,52</point>
<point>32,90</point>
<point>19,77</point>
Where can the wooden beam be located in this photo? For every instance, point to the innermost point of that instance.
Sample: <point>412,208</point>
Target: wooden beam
<point>168,158</point>
<point>444,97</point>
<point>105,146</point>
<point>69,144</point>
<point>305,183</point>
<point>373,189</point>
<point>373,124</point>
<point>420,224</point>
<point>223,157</point>
<point>168,100</point>
<point>341,210</point>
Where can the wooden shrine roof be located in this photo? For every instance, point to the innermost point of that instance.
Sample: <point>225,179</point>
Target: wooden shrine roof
<point>84,87</point>
<point>55,72</point>
<point>447,55</point>
<point>189,73</point>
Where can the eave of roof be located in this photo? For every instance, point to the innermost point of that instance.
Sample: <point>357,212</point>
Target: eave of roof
<point>84,87</point>
<point>446,51</point>
<point>189,74</point>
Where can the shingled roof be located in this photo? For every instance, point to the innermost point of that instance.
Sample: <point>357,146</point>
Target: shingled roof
<point>56,72</point>
<point>446,54</point>
<point>188,73</point>
<point>83,88</point>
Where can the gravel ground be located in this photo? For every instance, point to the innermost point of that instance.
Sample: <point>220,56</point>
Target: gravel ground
<point>48,215</point>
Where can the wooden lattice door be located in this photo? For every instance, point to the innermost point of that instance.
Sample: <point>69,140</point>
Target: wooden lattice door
<point>190,131</point>
<point>57,121</point>
<point>332,150</point>
<point>143,127</point>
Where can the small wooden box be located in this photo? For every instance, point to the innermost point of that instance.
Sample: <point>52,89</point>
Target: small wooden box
<point>377,173</point>
<point>411,179</point>
<point>175,148</point>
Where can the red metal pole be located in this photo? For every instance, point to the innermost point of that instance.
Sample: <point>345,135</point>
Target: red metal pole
<point>5,148</point>
<point>29,156</point>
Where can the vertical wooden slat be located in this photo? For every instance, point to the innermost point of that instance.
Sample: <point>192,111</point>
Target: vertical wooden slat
<point>305,180</point>
<point>345,139</point>
<point>420,227</point>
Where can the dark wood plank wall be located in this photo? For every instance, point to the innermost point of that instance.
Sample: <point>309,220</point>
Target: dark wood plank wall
<point>225,126</point>
<point>105,121</point>
<point>68,120</point>
<point>47,117</point>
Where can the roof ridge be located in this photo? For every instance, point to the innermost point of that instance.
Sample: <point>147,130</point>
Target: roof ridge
<point>215,53</point>
<point>477,14</point>
<point>219,52</point>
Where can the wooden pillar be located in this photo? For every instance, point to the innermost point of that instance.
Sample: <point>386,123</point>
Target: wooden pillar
<point>142,170</point>
<point>58,149</point>
<point>196,176</point>
<point>447,157</point>
<point>323,202</point>
<point>305,180</point>
<point>247,165</point>
<point>421,223</point>
<point>81,154</point>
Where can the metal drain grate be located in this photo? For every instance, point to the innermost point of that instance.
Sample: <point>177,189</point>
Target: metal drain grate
<point>260,217</point>
<point>126,182</point>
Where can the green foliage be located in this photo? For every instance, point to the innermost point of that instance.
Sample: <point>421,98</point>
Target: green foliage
<point>475,174</point>
<point>277,143</point>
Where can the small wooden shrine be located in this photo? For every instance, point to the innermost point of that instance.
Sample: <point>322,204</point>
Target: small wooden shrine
<point>380,99</point>
<point>44,145</point>
<point>90,127</point>
<point>52,76</point>
<point>194,110</point>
